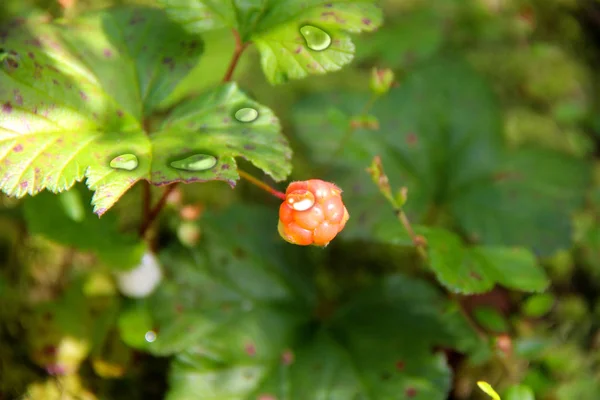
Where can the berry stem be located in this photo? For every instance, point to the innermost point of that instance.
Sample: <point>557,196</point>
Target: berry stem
<point>154,212</point>
<point>261,185</point>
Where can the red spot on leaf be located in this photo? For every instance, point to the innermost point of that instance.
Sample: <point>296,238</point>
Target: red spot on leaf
<point>7,108</point>
<point>24,184</point>
<point>266,397</point>
<point>287,358</point>
<point>400,365</point>
<point>83,96</point>
<point>120,113</point>
<point>18,148</point>
<point>107,53</point>
<point>298,50</point>
<point>366,21</point>
<point>412,139</point>
<point>250,349</point>
<point>475,275</point>
<point>411,392</point>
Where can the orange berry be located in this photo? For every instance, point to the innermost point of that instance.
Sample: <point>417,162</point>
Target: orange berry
<point>312,213</point>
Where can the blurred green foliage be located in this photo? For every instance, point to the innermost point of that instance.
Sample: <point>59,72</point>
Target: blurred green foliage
<point>492,126</point>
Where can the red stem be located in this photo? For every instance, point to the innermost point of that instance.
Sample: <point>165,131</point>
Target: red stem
<point>152,213</point>
<point>237,52</point>
<point>261,185</point>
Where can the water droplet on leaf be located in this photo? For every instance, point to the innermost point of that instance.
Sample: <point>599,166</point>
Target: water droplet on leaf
<point>246,114</point>
<point>316,39</point>
<point>127,162</point>
<point>150,336</point>
<point>197,162</point>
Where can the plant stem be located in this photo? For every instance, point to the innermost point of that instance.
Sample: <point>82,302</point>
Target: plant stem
<point>350,129</point>
<point>151,214</point>
<point>261,185</point>
<point>146,198</point>
<point>155,211</point>
<point>235,58</point>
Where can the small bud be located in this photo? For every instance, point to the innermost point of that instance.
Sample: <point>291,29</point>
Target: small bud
<point>188,234</point>
<point>381,80</point>
<point>191,212</point>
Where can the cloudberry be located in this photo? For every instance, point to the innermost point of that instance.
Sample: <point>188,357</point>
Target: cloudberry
<point>312,213</point>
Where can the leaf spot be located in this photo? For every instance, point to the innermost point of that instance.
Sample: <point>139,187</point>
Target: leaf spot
<point>7,107</point>
<point>250,349</point>
<point>107,53</point>
<point>287,358</point>
<point>400,365</point>
<point>411,392</point>
<point>475,275</point>
<point>412,139</point>
<point>18,148</point>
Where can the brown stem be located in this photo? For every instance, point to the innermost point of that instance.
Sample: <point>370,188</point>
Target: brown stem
<point>146,199</point>
<point>261,185</point>
<point>154,212</point>
<point>237,52</point>
<point>156,209</point>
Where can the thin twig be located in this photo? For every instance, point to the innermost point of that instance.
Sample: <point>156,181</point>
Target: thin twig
<point>146,199</point>
<point>350,128</point>
<point>154,212</point>
<point>261,185</point>
<point>237,52</point>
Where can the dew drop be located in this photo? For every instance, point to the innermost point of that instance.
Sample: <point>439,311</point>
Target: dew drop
<point>150,336</point>
<point>197,162</point>
<point>127,162</point>
<point>246,114</point>
<point>316,39</point>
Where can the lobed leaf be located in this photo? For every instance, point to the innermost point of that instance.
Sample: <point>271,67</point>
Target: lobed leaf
<point>238,315</point>
<point>471,270</point>
<point>275,28</point>
<point>442,140</point>
<point>75,101</point>
<point>63,223</point>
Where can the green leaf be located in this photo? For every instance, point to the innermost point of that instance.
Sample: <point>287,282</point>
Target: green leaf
<point>441,138</point>
<point>365,351</point>
<point>527,202</point>
<point>416,35</point>
<point>470,270</point>
<point>76,103</point>
<point>241,277</point>
<point>519,392</point>
<point>288,50</point>
<point>490,319</point>
<point>538,305</point>
<point>238,314</point>
<point>46,216</point>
